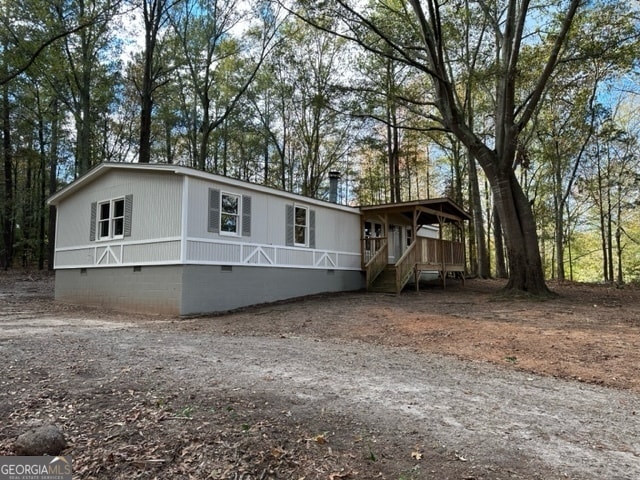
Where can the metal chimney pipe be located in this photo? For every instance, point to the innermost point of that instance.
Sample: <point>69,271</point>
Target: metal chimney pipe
<point>333,186</point>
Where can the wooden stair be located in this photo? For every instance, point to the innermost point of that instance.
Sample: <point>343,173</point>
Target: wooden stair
<point>385,282</point>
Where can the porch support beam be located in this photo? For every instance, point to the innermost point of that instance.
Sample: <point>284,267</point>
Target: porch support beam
<point>439,214</point>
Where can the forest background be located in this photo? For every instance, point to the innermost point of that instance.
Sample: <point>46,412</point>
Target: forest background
<point>282,93</point>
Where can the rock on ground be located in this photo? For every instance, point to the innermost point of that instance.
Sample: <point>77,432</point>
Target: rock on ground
<point>44,440</point>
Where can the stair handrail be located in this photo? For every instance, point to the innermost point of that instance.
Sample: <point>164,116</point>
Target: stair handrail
<point>406,265</point>
<point>376,265</point>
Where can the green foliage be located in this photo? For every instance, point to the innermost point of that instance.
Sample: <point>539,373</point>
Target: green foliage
<point>244,90</point>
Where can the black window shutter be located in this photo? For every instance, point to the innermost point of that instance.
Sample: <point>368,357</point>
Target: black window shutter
<point>128,212</point>
<point>312,229</point>
<point>214,211</point>
<point>289,230</point>
<point>246,216</point>
<point>92,224</point>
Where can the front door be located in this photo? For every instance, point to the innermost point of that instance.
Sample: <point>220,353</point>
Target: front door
<point>395,243</point>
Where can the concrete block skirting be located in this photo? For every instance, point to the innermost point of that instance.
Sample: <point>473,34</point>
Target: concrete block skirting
<point>156,289</point>
<point>195,289</point>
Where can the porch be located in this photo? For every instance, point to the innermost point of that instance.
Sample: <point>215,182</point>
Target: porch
<point>401,241</point>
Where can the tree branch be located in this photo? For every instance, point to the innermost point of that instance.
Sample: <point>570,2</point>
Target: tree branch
<point>531,106</point>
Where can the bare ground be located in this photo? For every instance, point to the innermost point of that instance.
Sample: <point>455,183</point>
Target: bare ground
<point>453,384</point>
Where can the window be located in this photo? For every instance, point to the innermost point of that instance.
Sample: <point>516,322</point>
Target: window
<point>111,219</point>
<point>300,226</point>
<point>230,214</point>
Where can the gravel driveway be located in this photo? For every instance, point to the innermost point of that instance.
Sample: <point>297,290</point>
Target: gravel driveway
<point>488,417</point>
<point>275,393</point>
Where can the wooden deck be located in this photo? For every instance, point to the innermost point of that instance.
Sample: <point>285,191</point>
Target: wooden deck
<point>423,255</point>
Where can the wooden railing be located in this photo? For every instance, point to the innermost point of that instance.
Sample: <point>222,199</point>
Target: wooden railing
<point>378,259</point>
<point>370,247</point>
<point>405,266</point>
<point>443,255</point>
<point>423,254</point>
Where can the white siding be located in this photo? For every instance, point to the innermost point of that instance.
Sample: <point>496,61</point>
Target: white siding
<point>337,232</point>
<point>157,252</point>
<point>157,235</point>
<point>198,208</point>
<point>429,231</point>
<point>156,216</point>
<point>336,229</point>
<point>219,252</point>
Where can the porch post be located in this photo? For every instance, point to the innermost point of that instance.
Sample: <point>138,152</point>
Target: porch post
<point>362,240</point>
<point>387,234</point>
<point>442,262</point>
<point>418,256</point>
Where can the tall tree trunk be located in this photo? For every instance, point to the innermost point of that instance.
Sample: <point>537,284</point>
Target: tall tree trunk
<point>392,136</point>
<point>153,13</point>
<point>620,278</point>
<point>146,109</point>
<point>559,224</point>
<point>609,217</point>
<point>265,157</point>
<point>520,234</point>
<point>53,179</point>
<point>603,241</point>
<point>603,227</point>
<point>84,91</point>
<point>393,159</point>
<point>396,161</point>
<point>84,129</point>
<point>225,148</point>
<point>26,225</point>
<point>482,269</point>
<point>168,142</point>
<point>205,134</point>
<point>42,177</point>
<point>6,258</point>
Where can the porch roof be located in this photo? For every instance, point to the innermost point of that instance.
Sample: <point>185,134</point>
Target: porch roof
<point>428,212</point>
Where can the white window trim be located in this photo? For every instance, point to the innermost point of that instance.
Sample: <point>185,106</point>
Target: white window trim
<point>111,220</point>
<point>238,215</point>
<point>306,225</point>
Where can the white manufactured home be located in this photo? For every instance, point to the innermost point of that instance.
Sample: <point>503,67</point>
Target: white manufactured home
<point>170,239</point>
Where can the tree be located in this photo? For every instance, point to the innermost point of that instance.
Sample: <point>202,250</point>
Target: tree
<point>318,134</point>
<point>516,100</point>
<point>218,65</point>
<point>610,178</point>
<point>566,121</point>
<point>155,14</point>
<point>385,91</point>
<point>88,73</point>
<point>381,87</point>
<point>269,98</point>
<point>23,22</point>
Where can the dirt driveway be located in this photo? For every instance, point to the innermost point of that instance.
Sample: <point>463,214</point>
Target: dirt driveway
<point>453,384</point>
